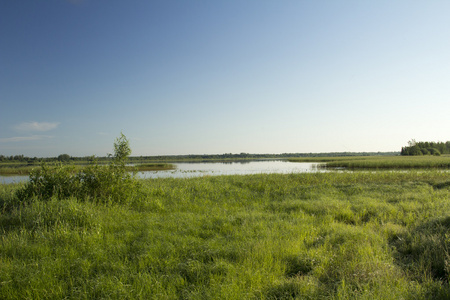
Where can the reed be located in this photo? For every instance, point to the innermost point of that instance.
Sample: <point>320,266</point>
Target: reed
<point>153,167</point>
<point>26,170</point>
<point>19,170</point>
<point>383,162</point>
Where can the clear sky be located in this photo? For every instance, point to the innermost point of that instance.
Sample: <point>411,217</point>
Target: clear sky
<point>213,77</point>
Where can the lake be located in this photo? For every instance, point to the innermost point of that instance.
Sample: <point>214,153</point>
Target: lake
<point>185,170</point>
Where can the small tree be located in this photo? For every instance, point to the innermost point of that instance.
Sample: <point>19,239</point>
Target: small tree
<point>121,149</point>
<point>412,143</point>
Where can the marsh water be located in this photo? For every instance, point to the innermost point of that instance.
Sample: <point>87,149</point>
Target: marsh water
<point>185,170</point>
<point>232,168</point>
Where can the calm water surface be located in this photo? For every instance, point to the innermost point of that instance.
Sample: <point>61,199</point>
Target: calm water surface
<point>184,170</point>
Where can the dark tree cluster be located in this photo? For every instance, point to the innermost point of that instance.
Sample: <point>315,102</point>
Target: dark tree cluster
<point>18,158</point>
<point>426,148</point>
<point>198,157</point>
<point>63,157</point>
<point>251,156</point>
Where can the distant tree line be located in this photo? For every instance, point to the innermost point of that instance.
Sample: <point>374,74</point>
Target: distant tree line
<point>62,158</point>
<point>225,156</point>
<point>426,148</point>
<point>250,156</point>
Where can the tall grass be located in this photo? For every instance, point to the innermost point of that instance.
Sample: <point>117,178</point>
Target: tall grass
<point>154,166</point>
<point>27,170</point>
<point>365,235</point>
<point>16,170</point>
<point>382,162</point>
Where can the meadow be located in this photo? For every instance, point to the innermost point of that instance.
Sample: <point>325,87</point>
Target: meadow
<point>381,162</point>
<point>336,235</point>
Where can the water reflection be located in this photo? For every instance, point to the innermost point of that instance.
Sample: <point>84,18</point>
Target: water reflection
<point>184,170</point>
<point>242,162</point>
<point>232,168</point>
<point>12,179</point>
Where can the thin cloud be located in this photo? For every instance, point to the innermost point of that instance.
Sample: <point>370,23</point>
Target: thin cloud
<point>24,138</point>
<point>37,126</point>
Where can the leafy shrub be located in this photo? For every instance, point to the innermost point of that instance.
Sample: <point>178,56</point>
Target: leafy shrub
<point>425,151</point>
<point>64,157</point>
<point>45,182</point>
<point>106,183</point>
<point>434,151</point>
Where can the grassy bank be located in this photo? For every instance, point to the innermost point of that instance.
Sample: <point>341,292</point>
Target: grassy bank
<point>16,170</point>
<point>380,235</point>
<point>382,162</point>
<point>154,167</point>
<point>19,169</point>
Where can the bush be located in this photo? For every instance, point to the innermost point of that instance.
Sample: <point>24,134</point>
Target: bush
<point>434,151</point>
<point>425,151</point>
<point>63,157</point>
<point>107,183</point>
<point>45,182</point>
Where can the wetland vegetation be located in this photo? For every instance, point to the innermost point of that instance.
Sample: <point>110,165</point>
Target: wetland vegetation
<point>19,169</point>
<point>381,162</point>
<point>359,235</point>
<point>104,234</point>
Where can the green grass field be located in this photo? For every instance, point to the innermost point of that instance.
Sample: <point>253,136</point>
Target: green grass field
<point>381,162</point>
<point>349,235</point>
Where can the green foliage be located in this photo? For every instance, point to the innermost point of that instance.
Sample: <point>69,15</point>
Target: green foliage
<point>107,183</point>
<point>382,162</point>
<point>426,148</point>
<point>16,169</point>
<point>63,157</point>
<point>434,151</point>
<point>155,167</point>
<point>250,156</point>
<point>45,182</point>
<point>346,235</point>
<point>121,150</point>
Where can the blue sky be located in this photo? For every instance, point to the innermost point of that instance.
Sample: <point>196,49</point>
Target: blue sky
<point>212,77</point>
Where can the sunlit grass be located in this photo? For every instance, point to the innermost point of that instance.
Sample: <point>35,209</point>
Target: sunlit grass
<point>361,235</point>
<point>16,170</point>
<point>19,169</point>
<point>382,162</point>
